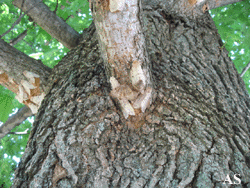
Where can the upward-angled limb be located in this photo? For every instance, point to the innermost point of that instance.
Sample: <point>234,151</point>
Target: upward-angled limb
<point>23,75</point>
<point>122,46</point>
<point>219,3</point>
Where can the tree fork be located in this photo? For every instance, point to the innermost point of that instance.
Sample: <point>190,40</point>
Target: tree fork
<point>122,45</point>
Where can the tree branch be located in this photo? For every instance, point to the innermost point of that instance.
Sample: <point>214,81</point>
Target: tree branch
<point>212,4</point>
<point>18,38</point>
<point>15,120</point>
<point>23,75</point>
<point>13,25</point>
<point>56,7</point>
<point>245,70</point>
<point>126,63</point>
<point>19,133</point>
<point>50,22</point>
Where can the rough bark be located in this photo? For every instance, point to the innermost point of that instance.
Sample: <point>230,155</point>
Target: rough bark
<point>49,21</point>
<point>195,132</point>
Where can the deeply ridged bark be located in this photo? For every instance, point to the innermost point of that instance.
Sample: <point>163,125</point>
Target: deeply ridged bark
<point>194,134</point>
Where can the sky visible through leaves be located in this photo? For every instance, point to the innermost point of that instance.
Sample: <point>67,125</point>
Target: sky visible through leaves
<point>232,21</point>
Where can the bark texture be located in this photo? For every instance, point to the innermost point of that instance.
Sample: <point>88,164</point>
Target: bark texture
<point>123,49</point>
<point>23,75</point>
<point>195,132</point>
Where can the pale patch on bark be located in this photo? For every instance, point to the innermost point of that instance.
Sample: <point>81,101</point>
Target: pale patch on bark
<point>116,5</point>
<point>144,100</point>
<point>122,45</point>
<point>29,92</point>
<point>27,86</point>
<point>137,77</point>
<point>31,76</point>
<point>59,173</point>
<point>127,109</point>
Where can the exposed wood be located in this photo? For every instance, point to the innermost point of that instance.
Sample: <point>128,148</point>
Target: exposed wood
<point>49,21</point>
<point>23,75</point>
<point>123,49</point>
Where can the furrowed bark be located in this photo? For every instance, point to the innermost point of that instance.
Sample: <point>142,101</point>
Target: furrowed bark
<point>123,49</point>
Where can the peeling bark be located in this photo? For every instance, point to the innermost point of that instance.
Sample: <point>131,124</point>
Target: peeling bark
<point>23,75</point>
<point>194,134</point>
<point>123,49</point>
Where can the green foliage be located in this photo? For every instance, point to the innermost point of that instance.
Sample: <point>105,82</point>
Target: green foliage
<point>76,13</point>
<point>233,25</point>
<point>11,149</point>
<point>7,103</point>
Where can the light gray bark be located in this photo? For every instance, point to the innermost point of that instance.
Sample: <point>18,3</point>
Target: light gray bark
<point>123,49</point>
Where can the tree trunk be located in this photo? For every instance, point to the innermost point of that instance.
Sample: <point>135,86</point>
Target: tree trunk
<point>194,134</point>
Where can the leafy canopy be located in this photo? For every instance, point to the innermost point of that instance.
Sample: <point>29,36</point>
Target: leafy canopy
<point>233,24</point>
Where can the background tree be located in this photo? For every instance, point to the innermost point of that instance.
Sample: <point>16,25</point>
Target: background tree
<point>169,112</point>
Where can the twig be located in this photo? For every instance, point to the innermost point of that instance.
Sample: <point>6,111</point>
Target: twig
<point>15,120</point>
<point>18,38</point>
<point>18,20</point>
<point>56,7</point>
<point>13,25</point>
<point>19,133</point>
<point>245,70</point>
